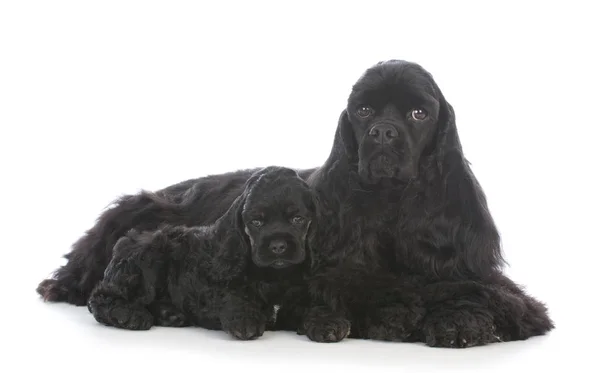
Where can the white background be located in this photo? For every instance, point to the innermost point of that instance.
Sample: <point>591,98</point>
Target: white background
<point>103,98</point>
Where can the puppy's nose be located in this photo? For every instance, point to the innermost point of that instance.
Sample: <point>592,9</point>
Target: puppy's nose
<point>383,133</point>
<point>278,246</point>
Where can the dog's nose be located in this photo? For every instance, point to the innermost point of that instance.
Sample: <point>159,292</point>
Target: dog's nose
<point>278,246</point>
<point>383,133</point>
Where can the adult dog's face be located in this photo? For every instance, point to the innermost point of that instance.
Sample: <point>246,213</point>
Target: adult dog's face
<point>277,215</point>
<point>392,116</point>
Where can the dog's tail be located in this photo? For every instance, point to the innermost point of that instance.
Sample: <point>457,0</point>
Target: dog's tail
<point>90,255</point>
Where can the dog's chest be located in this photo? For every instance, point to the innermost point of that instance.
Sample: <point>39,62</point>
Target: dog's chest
<point>271,292</point>
<point>376,230</point>
<point>366,238</point>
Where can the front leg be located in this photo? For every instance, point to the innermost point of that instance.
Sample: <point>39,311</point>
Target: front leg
<point>244,316</point>
<point>391,310</point>
<point>121,298</point>
<point>396,322</point>
<point>326,317</point>
<point>322,324</point>
<point>381,306</point>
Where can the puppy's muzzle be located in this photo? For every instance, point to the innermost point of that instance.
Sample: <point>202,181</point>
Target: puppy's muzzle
<point>278,247</point>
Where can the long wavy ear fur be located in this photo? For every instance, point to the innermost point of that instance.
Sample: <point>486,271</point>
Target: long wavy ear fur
<point>232,246</point>
<point>311,235</point>
<point>476,238</point>
<point>233,217</point>
<point>347,136</point>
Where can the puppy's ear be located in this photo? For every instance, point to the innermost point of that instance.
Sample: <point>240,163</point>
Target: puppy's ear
<point>311,241</point>
<point>346,134</point>
<point>233,244</point>
<point>232,220</point>
<point>233,216</point>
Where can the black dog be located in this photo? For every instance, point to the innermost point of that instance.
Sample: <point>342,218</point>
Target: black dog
<point>229,275</point>
<point>399,198</point>
<point>408,249</point>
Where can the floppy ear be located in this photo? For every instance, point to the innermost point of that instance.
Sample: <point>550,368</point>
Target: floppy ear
<point>231,245</point>
<point>311,241</point>
<point>233,217</point>
<point>447,141</point>
<point>476,238</point>
<point>346,136</point>
<point>234,243</point>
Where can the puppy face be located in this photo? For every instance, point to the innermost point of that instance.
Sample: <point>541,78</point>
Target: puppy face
<point>392,117</point>
<point>277,214</point>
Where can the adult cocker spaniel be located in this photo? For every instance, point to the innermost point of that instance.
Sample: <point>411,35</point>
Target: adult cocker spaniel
<point>408,248</point>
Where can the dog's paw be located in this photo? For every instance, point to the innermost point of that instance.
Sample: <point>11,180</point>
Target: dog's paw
<point>324,327</point>
<point>327,331</point>
<point>169,316</point>
<point>117,312</point>
<point>459,329</point>
<point>394,323</point>
<point>245,328</point>
<point>132,318</point>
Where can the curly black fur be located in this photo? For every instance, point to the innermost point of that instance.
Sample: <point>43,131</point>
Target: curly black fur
<point>229,275</point>
<point>405,249</point>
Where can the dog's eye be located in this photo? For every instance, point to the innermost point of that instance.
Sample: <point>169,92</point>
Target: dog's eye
<point>257,223</point>
<point>298,219</point>
<point>364,111</point>
<point>419,114</point>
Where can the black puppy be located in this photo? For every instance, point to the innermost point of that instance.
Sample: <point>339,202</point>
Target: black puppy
<point>227,276</point>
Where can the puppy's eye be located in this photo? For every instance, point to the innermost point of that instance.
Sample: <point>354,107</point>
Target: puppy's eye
<point>298,219</point>
<point>419,114</point>
<point>364,111</point>
<point>257,223</point>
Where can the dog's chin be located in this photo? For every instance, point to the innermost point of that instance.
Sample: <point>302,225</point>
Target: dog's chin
<point>277,263</point>
<point>280,264</point>
<point>384,168</point>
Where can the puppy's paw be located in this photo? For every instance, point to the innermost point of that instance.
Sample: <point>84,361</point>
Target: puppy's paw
<point>323,326</point>
<point>131,317</point>
<point>394,323</point>
<point>459,329</point>
<point>246,327</point>
<point>168,315</point>
<point>113,311</point>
